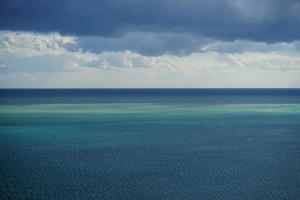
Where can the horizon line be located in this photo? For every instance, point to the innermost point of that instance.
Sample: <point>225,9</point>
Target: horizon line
<point>145,88</point>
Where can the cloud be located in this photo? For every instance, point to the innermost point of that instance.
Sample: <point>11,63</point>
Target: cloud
<point>52,52</point>
<point>31,52</point>
<point>150,44</point>
<point>158,43</point>
<point>30,44</point>
<point>53,60</point>
<point>239,46</point>
<point>256,20</point>
<point>151,78</point>
<point>269,61</point>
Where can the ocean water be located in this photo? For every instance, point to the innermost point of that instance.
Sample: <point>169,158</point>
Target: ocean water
<point>151,144</point>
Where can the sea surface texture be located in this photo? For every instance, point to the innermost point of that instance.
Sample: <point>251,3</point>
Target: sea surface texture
<point>192,144</point>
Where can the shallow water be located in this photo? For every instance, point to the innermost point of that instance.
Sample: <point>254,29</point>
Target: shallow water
<point>150,146</point>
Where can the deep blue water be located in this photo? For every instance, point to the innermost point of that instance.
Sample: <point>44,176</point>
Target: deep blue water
<point>150,144</point>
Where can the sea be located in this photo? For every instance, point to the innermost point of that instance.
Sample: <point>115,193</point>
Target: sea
<point>150,144</point>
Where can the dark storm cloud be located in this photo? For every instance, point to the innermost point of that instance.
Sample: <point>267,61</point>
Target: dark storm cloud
<point>257,20</point>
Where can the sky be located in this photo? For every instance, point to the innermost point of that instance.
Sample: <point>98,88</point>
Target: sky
<point>149,43</point>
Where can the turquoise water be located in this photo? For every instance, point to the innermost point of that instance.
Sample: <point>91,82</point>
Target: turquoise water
<point>150,146</point>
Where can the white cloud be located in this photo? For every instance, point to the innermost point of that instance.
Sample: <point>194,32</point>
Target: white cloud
<point>32,44</point>
<point>270,61</point>
<point>45,60</point>
<point>38,52</point>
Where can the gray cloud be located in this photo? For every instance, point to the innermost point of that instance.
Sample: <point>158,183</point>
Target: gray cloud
<point>240,46</point>
<point>151,44</point>
<point>259,20</point>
